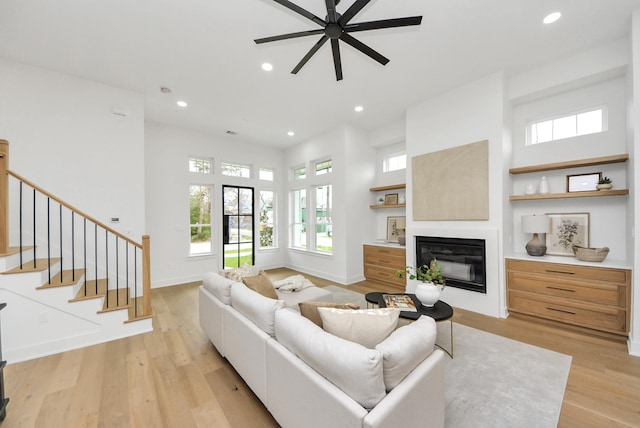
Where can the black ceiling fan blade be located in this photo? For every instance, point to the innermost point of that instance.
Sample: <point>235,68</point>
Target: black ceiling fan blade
<point>331,11</point>
<point>335,47</point>
<point>383,23</point>
<point>352,11</point>
<point>297,9</point>
<point>289,36</point>
<point>309,54</point>
<point>364,48</point>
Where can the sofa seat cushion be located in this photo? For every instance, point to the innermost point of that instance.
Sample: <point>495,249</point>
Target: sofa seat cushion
<point>259,309</point>
<point>368,327</point>
<point>219,286</point>
<point>350,366</point>
<point>405,348</point>
<point>261,284</point>
<point>311,294</point>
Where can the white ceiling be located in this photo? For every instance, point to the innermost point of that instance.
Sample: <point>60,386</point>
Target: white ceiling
<point>204,51</point>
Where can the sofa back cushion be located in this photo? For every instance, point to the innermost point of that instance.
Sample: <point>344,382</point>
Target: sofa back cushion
<point>351,367</point>
<point>259,309</point>
<point>219,286</point>
<point>405,348</point>
<point>367,327</point>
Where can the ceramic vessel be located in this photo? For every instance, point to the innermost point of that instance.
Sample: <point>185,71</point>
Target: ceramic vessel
<point>604,186</point>
<point>428,293</point>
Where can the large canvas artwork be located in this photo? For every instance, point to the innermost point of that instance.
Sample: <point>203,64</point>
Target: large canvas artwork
<point>452,184</point>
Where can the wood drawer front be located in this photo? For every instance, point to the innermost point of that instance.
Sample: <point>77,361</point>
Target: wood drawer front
<point>594,292</point>
<point>570,271</point>
<point>394,262</point>
<point>596,317</point>
<point>377,273</point>
<point>374,250</point>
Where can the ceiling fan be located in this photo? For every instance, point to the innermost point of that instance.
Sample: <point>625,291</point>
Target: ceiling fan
<point>337,27</point>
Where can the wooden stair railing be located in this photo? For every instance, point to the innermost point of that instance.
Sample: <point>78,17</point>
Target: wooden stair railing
<point>138,308</point>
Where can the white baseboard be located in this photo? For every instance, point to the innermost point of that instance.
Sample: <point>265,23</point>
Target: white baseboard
<point>634,347</point>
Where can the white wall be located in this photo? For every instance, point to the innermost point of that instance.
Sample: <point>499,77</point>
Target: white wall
<point>167,152</point>
<point>468,114</point>
<point>353,173</point>
<point>64,137</point>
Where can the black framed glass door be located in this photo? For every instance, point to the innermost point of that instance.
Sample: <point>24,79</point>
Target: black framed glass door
<point>238,226</point>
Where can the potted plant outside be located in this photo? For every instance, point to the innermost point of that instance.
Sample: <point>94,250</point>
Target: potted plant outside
<point>431,281</point>
<point>604,183</point>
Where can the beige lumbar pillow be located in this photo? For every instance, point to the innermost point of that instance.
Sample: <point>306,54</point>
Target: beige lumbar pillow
<point>367,327</point>
<point>309,310</point>
<point>261,284</point>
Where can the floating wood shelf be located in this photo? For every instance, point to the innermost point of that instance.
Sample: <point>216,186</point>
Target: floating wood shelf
<point>596,193</point>
<point>387,206</point>
<point>385,188</point>
<point>570,164</point>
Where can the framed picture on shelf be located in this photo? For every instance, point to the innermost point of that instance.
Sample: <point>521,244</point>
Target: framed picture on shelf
<point>566,230</point>
<point>392,228</point>
<point>583,182</point>
<point>391,199</point>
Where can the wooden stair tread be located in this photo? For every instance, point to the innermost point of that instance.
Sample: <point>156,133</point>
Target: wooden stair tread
<point>137,303</point>
<point>15,250</point>
<point>88,290</point>
<point>115,300</point>
<point>64,279</point>
<point>28,267</point>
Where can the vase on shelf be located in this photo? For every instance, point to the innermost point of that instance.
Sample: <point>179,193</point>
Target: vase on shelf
<point>428,293</point>
<point>543,189</point>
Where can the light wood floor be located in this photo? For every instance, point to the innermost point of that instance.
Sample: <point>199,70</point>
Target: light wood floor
<point>173,377</point>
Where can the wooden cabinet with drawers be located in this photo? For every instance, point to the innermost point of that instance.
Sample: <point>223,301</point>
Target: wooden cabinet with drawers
<point>381,264</point>
<point>597,298</point>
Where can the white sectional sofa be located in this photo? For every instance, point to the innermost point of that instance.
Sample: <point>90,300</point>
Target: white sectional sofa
<point>307,377</point>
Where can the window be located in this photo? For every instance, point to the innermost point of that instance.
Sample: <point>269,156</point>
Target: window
<point>573,125</point>
<point>394,162</point>
<point>200,219</point>
<point>323,167</point>
<point>200,165</point>
<point>324,226</point>
<point>298,224</point>
<point>299,173</point>
<point>267,235</point>
<point>235,170</point>
<point>265,174</point>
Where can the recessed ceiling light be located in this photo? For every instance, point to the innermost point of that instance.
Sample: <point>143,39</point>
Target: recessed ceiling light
<point>267,67</point>
<point>552,17</point>
<point>291,133</point>
<point>359,109</point>
<point>182,103</point>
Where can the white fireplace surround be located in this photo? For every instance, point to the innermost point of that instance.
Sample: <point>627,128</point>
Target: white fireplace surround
<point>493,303</point>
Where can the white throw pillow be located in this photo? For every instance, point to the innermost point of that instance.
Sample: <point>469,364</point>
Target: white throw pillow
<point>405,348</point>
<point>259,309</point>
<point>367,327</point>
<point>219,286</point>
<point>353,368</point>
<point>241,272</point>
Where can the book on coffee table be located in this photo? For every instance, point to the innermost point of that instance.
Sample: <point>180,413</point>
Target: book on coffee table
<point>400,301</point>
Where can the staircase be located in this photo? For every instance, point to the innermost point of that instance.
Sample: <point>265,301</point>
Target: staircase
<point>71,281</point>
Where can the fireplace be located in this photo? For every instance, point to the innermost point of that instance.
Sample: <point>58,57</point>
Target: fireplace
<point>463,260</point>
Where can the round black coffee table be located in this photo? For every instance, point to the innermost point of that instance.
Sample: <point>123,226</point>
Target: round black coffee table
<point>441,311</point>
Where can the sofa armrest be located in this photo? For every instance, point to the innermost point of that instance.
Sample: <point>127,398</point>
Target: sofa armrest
<point>210,315</point>
<point>419,397</point>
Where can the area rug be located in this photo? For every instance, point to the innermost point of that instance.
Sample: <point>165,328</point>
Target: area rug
<point>493,381</point>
